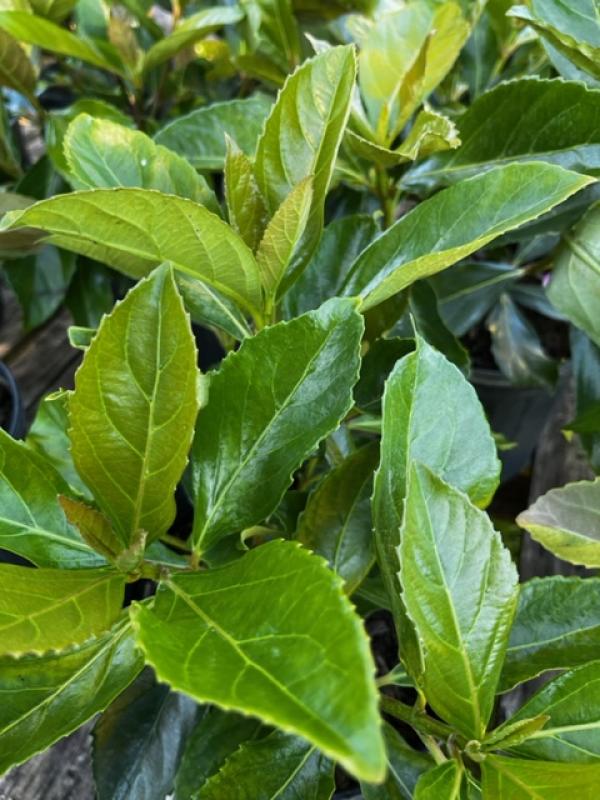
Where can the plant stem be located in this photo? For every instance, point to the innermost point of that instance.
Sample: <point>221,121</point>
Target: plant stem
<point>418,720</point>
<point>435,750</point>
<point>386,196</point>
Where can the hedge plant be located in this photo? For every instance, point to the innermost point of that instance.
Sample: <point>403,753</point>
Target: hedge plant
<point>365,209</point>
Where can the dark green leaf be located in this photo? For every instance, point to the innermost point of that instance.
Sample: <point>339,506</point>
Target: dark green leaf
<point>405,765</point>
<point>46,697</point>
<point>309,672</point>
<point>442,782</point>
<point>585,360</point>
<point>377,363</point>
<point>342,241</point>
<point>521,120</point>
<point>216,736</point>
<point>336,522</point>
<point>139,741</point>
<point>517,349</point>
<point>557,625</point>
<point>16,70</point>
<point>280,766</point>
<point>270,404</point>
<point>459,586</point>
<point>200,136</point>
<point>133,410</point>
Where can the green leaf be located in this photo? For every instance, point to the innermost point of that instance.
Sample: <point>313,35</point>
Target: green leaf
<point>273,34</point>
<point>283,235</point>
<point>191,30</point>
<point>270,404</point>
<point>245,204</point>
<point>134,406</point>
<point>519,779</point>
<point>572,733</point>
<point>318,93</point>
<point>208,307</point>
<point>279,766</point>
<point>336,522</point>
<point>377,363</point>
<point>557,625</point>
<point>521,120</point>
<point>16,70</point>
<point>452,438</point>
<point>104,224</point>
<point>517,349</point>
<point>139,741</point>
<point>48,437</point>
<point>309,672</point>
<point>342,241</point>
<point>514,731</point>
<point>442,782</point>
<point>454,223</point>
<point>32,524</point>
<point>431,132</point>
<point>459,586</point>
<point>576,275</point>
<point>103,154</point>
<point>50,609</point>
<point>585,361</point>
<point>574,32</point>
<point>565,522</point>
<point>25,27</point>
<point>94,527</point>
<point>46,697</point>
<point>41,282</point>
<point>216,736</point>
<point>200,135</point>
<point>405,765</point>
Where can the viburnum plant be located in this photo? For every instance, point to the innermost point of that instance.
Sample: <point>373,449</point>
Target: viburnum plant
<point>338,460</point>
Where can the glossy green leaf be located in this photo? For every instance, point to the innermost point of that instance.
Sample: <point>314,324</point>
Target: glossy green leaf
<point>573,30</point>
<point>215,737</point>
<point>323,278</point>
<point>517,349</point>
<point>41,282</point>
<point>565,521</point>
<point>245,204</point>
<point>452,438</point>
<point>520,779</point>
<point>190,30</point>
<point>283,235</point>
<point>576,275</point>
<point>405,765</point>
<point>459,586</point>
<point>454,223</point>
<point>200,135</point>
<point>25,27</point>
<point>442,782</point>
<point>557,625</point>
<point>521,120</point>
<point>32,524</point>
<point>104,224</point>
<point>134,406</point>
<point>270,404</point>
<point>279,766</point>
<point>585,361</point>
<point>572,733</point>
<point>50,609</point>
<point>139,741</point>
<point>375,368</point>
<point>103,154</point>
<point>208,307</point>
<point>302,136</point>
<point>48,436</point>
<point>46,697</point>
<point>309,672</point>
<point>514,731</point>
<point>16,70</point>
<point>336,522</point>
